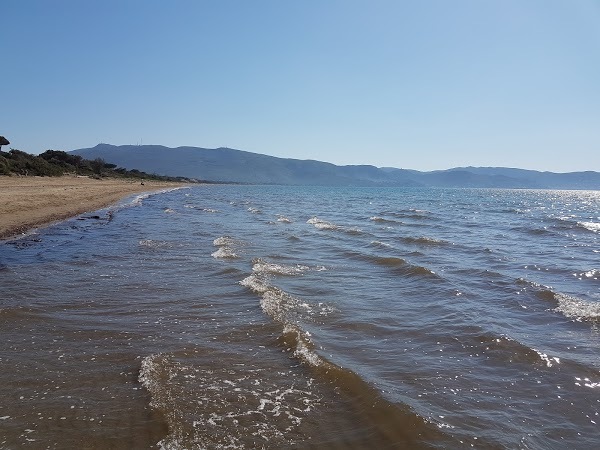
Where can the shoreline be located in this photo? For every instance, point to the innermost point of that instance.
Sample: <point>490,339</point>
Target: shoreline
<point>27,203</point>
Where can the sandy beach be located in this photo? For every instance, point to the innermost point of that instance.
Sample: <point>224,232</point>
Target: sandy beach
<point>30,202</point>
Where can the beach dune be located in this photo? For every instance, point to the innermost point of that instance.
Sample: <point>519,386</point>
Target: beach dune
<point>30,202</point>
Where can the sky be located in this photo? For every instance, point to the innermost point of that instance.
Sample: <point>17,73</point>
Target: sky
<point>426,85</point>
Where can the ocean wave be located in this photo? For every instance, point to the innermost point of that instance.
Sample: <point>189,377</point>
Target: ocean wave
<point>227,407</point>
<point>402,266</point>
<point>383,220</point>
<point>223,240</point>
<point>224,253</point>
<point>419,214</point>
<point>226,248</point>
<point>199,208</point>
<point>528,283</point>
<point>591,226</point>
<point>593,274</point>
<point>298,342</point>
<point>403,427</point>
<point>398,265</point>
<point>423,240</point>
<point>569,306</point>
<point>151,243</point>
<point>261,266</point>
<point>532,231</point>
<point>549,360</point>
<point>324,225</point>
<point>504,349</point>
<point>375,409</point>
<point>280,305</point>
<point>138,199</point>
<point>420,271</point>
<point>388,261</point>
<point>283,219</point>
<point>577,309</point>
<point>380,244</point>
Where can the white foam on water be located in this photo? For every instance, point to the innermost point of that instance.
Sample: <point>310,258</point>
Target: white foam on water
<point>151,243</point>
<point>138,199</point>
<point>283,219</point>
<point>594,273</point>
<point>254,210</point>
<point>381,244</point>
<point>549,360</point>
<point>226,248</point>
<point>592,226</point>
<point>208,210</point>
<point>383,220</point>
<point>226,407</point>
<point>224,253</point>
<point>280,305</point>
<point>261,266</point>
<point>223,240</point>
<point>577,309</point>
<point>304,345</point>
<point>320,224</point>
<point>256,284</point>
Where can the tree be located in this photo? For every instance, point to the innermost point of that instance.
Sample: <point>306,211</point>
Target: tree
<point>3,141</point>
<point>97,165</point>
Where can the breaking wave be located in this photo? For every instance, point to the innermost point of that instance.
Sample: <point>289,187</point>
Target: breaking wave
<point>383,220</point>
<point>138,199</point>
<point>324,225</point>
<point>577,309</point>
<point>591,226</point>
<point>283,308</point>
<point>226,248</point>
<point>262,266</point>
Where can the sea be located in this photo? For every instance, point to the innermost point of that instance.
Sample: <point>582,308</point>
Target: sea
<point>280,317</point>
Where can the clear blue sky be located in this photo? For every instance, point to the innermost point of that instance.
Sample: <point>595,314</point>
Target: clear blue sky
<point>415,84</point>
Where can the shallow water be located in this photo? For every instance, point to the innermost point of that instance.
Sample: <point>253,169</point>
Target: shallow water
<point>287,317</point>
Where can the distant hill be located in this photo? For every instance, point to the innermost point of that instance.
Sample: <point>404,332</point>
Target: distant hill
<point>229,165</point>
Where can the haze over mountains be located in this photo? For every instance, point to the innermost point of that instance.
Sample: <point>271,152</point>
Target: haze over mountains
<point>229,165</point>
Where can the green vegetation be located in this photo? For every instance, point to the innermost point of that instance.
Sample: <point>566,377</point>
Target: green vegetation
<point>55,163</point>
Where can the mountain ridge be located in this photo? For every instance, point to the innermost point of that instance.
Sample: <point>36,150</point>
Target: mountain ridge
<point>232,165</point>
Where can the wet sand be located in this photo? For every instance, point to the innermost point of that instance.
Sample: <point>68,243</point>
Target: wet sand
<point>31,202</point>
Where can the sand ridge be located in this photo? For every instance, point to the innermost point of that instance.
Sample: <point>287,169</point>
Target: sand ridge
<point>30,202</point>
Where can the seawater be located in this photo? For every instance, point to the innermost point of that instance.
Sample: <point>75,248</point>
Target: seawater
<point>293,317</point>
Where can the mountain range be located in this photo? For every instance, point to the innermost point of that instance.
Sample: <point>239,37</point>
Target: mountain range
<point>230,165</point>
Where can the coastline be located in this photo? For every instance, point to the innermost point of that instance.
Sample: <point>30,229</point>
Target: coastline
<point>32,202</point>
